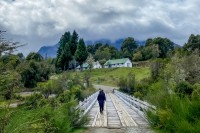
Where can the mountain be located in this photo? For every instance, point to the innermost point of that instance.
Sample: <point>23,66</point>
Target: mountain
<point>51,51</point>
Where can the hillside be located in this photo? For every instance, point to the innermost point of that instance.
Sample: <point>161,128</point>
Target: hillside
<point>110,76</point>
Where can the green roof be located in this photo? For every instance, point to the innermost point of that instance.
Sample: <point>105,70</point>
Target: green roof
<point>85,65</point>
<point>117,61</point>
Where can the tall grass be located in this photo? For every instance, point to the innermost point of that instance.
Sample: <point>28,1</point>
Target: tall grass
<point>46,119</point>
<point>174,114</point>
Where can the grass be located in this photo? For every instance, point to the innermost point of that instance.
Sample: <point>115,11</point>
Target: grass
<point>110,76</point>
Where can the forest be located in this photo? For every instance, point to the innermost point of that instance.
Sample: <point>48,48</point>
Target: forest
<point>173,85</point>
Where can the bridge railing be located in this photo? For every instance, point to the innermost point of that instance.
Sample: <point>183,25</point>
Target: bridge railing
<point>137,105</point>
<point>88,102</point>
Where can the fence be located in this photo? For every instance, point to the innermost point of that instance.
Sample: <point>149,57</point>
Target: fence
<point>88,102</point>
<point>137,105</point>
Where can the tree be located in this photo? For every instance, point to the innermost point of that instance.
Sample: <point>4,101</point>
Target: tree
<point>10,62</point>
<point>33,72</point>
<point>21,56</point>
<point>7,47</point>
<point>128,47</point>
<point>193,43</point>
<point>150,51</point>
<point>81,52</point>
<point>9,81</point>
<point>90,49</point>
<point>34,56</point>
<point>102,53</point>
<point>73,46</point>
<point>90,61</point>
<point>73,43</point>
<point>137,56</point>
<point>148,41</point>
<point>65,57</point>
<point>64,40</point>
<point>165,46</point>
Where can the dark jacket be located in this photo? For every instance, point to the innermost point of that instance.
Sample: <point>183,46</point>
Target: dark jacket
<point>101,97</point>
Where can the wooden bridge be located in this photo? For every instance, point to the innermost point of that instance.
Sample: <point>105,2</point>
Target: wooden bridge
<point>120,110</point>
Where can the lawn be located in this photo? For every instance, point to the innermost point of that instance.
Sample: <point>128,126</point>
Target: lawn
<point>110,76</point>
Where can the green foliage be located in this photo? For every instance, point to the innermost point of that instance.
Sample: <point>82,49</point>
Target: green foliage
<point>196,92</point>
<point>90,60</point>
<point>73,42</point>
<point>138,94</point>
<point>165,46</point>
<point>33,101</point>
<point>65,57</point>
<point>33,72</point>
<point>9,82</point>
<point>34,56</point>
<point>128,47</point>
<point>155,70</point>
<point>127,84</point>
<point>184,88</point>
<point>154,48</point>
<point>193,43</point>
<point>64,54</point>
<point>53,115</point>
<point>7,47</point>
<point>10,62</point>
<point>81,52</point>
<point>102,54</point>
<point>45,118</point>
<point>63,40</point>
<point>90,49</point>
<point>174,114</point>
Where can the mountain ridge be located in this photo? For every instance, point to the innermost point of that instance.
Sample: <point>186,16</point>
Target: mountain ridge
<point>51,50</point>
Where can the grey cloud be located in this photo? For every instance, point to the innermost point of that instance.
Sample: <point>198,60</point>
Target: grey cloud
<point>41,22</point>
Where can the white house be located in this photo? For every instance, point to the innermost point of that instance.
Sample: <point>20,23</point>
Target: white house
<point>85,66</point>
<point>125,62</point>
<point>96,65</point>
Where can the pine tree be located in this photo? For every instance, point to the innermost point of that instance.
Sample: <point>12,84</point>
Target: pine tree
<point>74,42</point>
<point>81,52</point>
<point>64,40</point>
<point>73,46</point>
<point>65,57</point>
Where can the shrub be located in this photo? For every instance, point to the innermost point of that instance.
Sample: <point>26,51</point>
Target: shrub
<point>174,114</point>
<point>32,102</point>
<point>138,95</point>
<point>184,88</point>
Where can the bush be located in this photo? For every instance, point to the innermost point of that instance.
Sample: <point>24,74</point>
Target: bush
<point>32,102</point>
<point>174,113</point>
<point>138,95</point>
<point>184,88</point>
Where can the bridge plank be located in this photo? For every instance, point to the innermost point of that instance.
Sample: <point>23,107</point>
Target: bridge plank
<point>116,114</point>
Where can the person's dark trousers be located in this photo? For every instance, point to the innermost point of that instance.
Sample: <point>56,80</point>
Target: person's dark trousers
<point>101,105</point>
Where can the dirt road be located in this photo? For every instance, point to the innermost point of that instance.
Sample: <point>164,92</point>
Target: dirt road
<point>105,88</point>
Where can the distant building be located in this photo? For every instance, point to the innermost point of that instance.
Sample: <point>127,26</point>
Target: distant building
<point>96,65</point>
<point>125,62</point>
<point>85,66</point>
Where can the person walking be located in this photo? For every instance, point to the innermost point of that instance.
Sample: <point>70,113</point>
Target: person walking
<point>101,99</point>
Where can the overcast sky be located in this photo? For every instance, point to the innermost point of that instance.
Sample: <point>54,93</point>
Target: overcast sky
<point>42,22</point>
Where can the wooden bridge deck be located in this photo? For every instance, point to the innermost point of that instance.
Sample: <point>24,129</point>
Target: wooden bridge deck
<point>116,115</point>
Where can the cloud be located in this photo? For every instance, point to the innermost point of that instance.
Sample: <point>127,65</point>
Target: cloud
<point>41,22</point>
